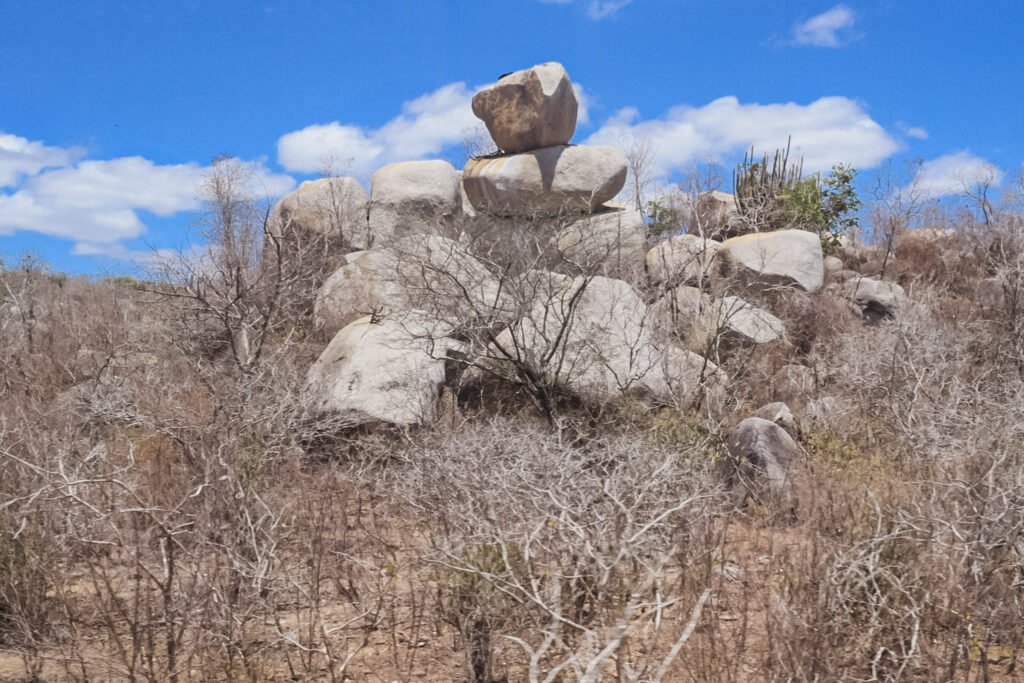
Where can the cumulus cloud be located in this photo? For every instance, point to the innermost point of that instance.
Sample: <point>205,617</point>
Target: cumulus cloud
<point>20,157</point>
<point>827,131</point>
<point>599,9</point>
<point>96,202</point>
<point>917,132</point>
<point>425,127</point>
<point>832,28</point>
<point>955,173</point>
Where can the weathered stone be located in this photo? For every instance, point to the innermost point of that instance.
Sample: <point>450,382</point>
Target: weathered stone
<point>833,266</point>
<point>715,216</point>
<point>768,260</point>
<point>779,413</point>
<point>611,239</point>
<point>424,272</point>
<point>875,299</point>
<point>546,182</point>
<point>335,207</point>
<point>705,323</point>
<point>529,109</point>
<point>590,336</point>
<point>386,370</point>
<point>762,455</point>
<point>413,197</point>
<point>683,259</point>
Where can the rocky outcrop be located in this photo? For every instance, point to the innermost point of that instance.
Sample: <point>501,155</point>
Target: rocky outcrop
<point>529,109</point>
<point>413,197</point>
<point>388,370</point>
<point>591,336</point>
<point>425,272</point>
<point>683,259</point>
<point>545,182</point>
<point>335,207</point>
<point>875,300</point>
<point>611,239</point>
<point>761,456</point>
<point>769,260</point>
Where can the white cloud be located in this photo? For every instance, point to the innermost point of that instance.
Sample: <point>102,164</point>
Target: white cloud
<point>97,201</point>
<point>21,157</point>
<point>599,9</point>
<point>426,125</point>
<point>827,131</point>
<point>917,132</point>
<point>586,102</point>
<point>832,28</point>
<point>955,173</point>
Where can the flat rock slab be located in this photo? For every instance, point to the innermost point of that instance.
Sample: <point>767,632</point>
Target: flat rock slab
<point>529,109</point>
<point>552,181</point>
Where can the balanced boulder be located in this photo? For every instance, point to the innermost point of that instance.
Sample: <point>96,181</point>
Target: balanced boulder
<point>552,181</point>
<point>529,109</point>
<point>768,260</point>
<point>413,197</point>
<point>379,370</point>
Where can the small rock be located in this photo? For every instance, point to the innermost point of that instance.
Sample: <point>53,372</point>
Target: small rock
<point>876,299</point>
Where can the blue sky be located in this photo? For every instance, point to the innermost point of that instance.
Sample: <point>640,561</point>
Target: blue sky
<point>109,111</point>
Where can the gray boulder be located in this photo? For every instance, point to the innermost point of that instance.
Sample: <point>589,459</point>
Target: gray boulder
<point>591,336</point>
<point>761,455</point>
<point>413,197</point>
<point>768,260</point>
<point>611,238</point>
<point>715,215</point>
<point>425,272</point>
<point>704,322</point>
<point>779,413</point>
<point>552,181</point>
<point>529,109</point>
<point>379,370</point>
<point>833,267</point>
<point>875,299</point>
<point>335,207</point>
<point>683,259</point>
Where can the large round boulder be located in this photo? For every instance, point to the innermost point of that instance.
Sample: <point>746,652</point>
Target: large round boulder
<point>591,336</point>
<point>334,207</point>
<point>529,109</point>
<point>379,370</point>
<point>611,239</point>
<point>424,272</point>
<point>683,259</point>
<point>413,197</point>
<point>552,181</point>
<point>768,260</point>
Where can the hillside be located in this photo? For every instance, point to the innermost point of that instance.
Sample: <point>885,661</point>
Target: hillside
<point>490,425</point>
